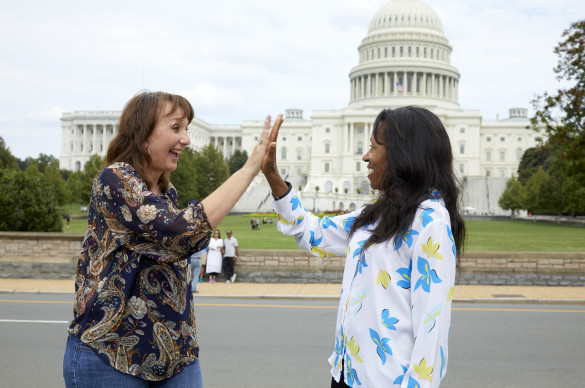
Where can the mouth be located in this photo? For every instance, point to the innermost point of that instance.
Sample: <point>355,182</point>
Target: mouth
<point>175,153</point>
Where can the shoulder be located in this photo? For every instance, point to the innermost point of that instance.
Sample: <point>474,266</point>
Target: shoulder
<point>118,171</point>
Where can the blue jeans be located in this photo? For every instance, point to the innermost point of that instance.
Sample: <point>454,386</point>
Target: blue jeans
<point>82,368</point>
<point>196,267</point>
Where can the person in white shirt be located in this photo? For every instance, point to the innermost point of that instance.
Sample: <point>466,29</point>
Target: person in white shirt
<point>394,312</point>
<point>230,254</point>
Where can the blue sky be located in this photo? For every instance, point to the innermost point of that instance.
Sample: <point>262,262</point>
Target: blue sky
<point>239,60</point>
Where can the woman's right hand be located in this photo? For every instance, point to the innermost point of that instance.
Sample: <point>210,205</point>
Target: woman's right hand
<point>269,167</point>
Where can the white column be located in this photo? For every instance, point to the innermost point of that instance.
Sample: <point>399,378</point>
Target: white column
<point>351,147</point>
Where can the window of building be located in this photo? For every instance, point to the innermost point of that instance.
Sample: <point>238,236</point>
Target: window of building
<point>502,138</point>
<point>461,168</point>
<point>299,155</point>
<point>462,130</point>
<point>360,130</point>
<point>385,52</point>
<point>378,52</point>
<point>326,167</point>
<point>502,173</point>
<point>283,153</point>
<point>417,48</point>
<point>488,173</point>
<point>393,51</point>
<point>300,138</point>
<point>425,52</point>
<point>299,170</point>
<point>283,171</point>
<point>360,147</point>
<point>81,147</point>
<point>502,156</point>
<point>357,166</point>
<point>519,139</point>
<point>327,145</point>
<point>488,156</point>
<point>409,51</point>
<point>327,130</point>
<point>328,186</point>
<point>461,148</point>
<point>488,138</point>
<point>519,154</point>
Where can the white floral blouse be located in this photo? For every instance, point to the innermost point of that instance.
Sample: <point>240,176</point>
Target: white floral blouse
<point>395,307</point>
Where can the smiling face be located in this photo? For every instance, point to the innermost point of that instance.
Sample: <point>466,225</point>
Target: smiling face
<point>376,159</point>
<point>167,141</point>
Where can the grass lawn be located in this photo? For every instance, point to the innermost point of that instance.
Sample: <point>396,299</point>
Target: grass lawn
<point>481,235</point>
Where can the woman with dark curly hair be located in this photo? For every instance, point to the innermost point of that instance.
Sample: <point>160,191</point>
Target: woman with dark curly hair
<point>400,254</point>
<point>134,324</point>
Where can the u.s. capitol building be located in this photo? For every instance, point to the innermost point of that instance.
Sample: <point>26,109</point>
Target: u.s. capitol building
<point>403,60</point>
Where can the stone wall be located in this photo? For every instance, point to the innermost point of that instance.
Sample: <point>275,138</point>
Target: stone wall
<point>55,255</point>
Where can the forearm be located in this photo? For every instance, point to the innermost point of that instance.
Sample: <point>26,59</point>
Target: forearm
<point>219,203</point>
<point>278,186</point>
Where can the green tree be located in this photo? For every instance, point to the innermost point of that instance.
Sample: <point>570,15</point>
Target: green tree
<point>73,185</point>
<point>562,113</point>
<point>237,160</point>
<point>27,202</point>
<point>184,178</point>
<point>532,199</point>
<point>53,175</point>
<point>211,170</point>
<point>531,160</point>
<point>90,170</point>
<point>511,198</point>
<point>7,160</point>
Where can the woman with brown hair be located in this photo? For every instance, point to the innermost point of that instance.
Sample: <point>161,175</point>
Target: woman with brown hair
<point>134,323</point>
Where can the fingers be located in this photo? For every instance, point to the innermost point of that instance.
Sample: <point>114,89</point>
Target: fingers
<point>276,128</point>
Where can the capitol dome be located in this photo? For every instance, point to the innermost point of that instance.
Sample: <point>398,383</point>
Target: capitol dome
<point>405,59</point>
<point>406,14</point>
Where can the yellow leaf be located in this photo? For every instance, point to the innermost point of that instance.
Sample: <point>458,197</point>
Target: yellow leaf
<point>383,278</point>
<point>431,249</point>
<point>423,372</point>
<point>354,349</point>
<point>450,293</point>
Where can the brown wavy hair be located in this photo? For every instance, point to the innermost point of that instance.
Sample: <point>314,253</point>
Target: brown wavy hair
<point>137,122</point>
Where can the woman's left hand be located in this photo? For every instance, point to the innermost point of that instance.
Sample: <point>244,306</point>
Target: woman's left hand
<point>255,160</point>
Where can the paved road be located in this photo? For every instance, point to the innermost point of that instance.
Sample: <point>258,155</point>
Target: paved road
<point>277,343</point>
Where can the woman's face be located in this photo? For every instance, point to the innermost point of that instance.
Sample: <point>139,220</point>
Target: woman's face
<point>216,234</point>
<point>167,141</point>
<point>376,159</point>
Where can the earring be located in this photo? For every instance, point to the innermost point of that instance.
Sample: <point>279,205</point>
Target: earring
<point>148,149</point>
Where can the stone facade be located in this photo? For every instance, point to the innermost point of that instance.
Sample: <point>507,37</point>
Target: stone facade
<point>55,255</point>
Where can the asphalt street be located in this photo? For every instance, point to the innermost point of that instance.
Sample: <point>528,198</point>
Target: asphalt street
<point>286,343</point>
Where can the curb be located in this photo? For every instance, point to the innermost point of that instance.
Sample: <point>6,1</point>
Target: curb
<point>336,298</point>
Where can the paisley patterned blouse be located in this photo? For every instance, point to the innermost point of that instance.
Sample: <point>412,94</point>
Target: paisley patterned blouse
<point>395,307</point>
<point>133,299</point>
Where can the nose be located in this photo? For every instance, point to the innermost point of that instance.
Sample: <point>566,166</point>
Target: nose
<point>366,156</point>
<point>185,139</point>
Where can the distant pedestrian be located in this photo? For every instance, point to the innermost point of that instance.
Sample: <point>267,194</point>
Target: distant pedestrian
<point>214,256</point>
<point>257,224</point>
<point>67,219</point>
<point>195,260</point>
<point>203,264</point>
<point>230,246</point>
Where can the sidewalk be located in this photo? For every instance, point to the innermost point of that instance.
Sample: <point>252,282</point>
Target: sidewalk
<point>463,293</point>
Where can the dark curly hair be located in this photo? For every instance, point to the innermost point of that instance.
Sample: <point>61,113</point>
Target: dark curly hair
<point>418,159</point>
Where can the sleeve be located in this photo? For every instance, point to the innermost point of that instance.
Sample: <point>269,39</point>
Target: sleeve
<point>433,280</point>
<point>159,226</point>
<point>327,236</point>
